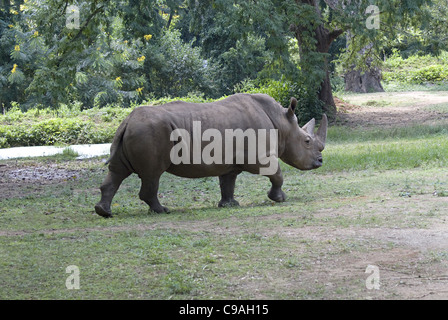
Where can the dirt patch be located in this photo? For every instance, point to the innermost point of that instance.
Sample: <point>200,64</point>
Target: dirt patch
<point>408,108</point>
<point>18,180</point>
<point>343,106</point>
<point>40,174</point>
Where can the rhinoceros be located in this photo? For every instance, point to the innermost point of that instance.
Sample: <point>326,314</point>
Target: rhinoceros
<point>149,142</point>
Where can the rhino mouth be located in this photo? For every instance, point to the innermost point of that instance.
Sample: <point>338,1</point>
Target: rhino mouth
<point>318,163</point>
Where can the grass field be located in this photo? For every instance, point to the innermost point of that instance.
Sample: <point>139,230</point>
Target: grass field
<point>380,199</point>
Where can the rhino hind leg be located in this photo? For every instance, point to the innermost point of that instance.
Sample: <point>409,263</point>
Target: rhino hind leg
<point>227,184</point>
<point>148,193</point>
<point>108,189</point>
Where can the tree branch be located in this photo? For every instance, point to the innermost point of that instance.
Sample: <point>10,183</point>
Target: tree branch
<point>335,33</point>
<point>94,13</point>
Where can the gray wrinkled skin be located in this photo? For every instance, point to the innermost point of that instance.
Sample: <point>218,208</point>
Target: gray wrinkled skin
<point>142,145</point>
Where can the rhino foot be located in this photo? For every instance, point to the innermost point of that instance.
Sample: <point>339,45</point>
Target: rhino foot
<point>277,195</point>
<point>100,210</point>
<point>228,203</point>
<point>159,209</point>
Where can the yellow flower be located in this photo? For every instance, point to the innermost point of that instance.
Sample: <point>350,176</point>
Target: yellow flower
<point>36,33</point>
<point>11,26</point>
<point>141,59</point>
<point>14,68</point>
<point>117,78</point>
<point>17,48</point>
<point>139,90</point>
<point>147,37</point>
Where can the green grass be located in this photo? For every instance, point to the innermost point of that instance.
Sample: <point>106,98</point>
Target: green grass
<point>402,87</point>
<point>341,134</point>
<point>198,251</point>
<point>442,108</point>
<point>387,148</point>
<point>425,153</point>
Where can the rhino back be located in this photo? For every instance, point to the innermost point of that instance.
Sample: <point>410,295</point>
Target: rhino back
<point>147,136</point>
<point>257,111</point>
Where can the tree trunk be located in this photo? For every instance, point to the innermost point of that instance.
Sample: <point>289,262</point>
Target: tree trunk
<point>364,82</point>
<point>325,94</point>
<point>324,38</point>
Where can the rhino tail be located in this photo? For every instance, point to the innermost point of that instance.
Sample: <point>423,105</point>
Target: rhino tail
<point>118,140</point>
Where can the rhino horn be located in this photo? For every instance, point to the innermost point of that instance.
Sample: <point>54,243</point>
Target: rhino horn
<point>309,127</point>
<point>322,131</point>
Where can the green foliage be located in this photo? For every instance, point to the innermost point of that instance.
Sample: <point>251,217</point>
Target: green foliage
<point>126,52</point>
<point>416,69</point>
<point>282,91</point>
<point>54,131</point>
<point>177,68</point>
<point>40,127</point>
<point>244,61</point>
<point>433,73</point>
<point>36,127</point>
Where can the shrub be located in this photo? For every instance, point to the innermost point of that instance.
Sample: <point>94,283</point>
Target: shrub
<point>55,131</point>
<point>415,69</point>
<point>177,68</point>
<point>434,73</point>
<point>309,105</point>
<point>37,127</point>
<point>429,74</point>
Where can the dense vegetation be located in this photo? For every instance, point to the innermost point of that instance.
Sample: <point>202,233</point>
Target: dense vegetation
<point>72,124</point>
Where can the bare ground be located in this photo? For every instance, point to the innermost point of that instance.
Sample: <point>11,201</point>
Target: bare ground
<point>374,110</point>
<point>18,179</point>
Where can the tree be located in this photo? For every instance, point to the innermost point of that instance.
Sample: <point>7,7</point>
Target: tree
<point>177,68</point>
<point>332,18</point>
<point>363,81</point>
<point>315,24</point>
<point>61,51</point>
<point>119,52</point>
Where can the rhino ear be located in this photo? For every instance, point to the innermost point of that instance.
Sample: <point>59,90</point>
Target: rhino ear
<point>292,107</point>
<point>309,127</point>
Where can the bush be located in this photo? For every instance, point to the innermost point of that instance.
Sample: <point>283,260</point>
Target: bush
<point>416,69</point>
<point>177,68</point>
<point>429,74</point>
<point>309,105</point>
<point>55,131</point>
<point>434,73</point>
<point>66,125</point>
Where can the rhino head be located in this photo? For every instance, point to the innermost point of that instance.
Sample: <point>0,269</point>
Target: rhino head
<point>303,147</point>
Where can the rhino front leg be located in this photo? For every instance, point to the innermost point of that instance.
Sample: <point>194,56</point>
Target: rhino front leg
<point>227,185</point>
<point>276,193</point>
<point>148,193</point>
<point>108,189</point>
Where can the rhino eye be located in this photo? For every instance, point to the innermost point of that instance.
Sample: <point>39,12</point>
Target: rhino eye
<point>307,141</point>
